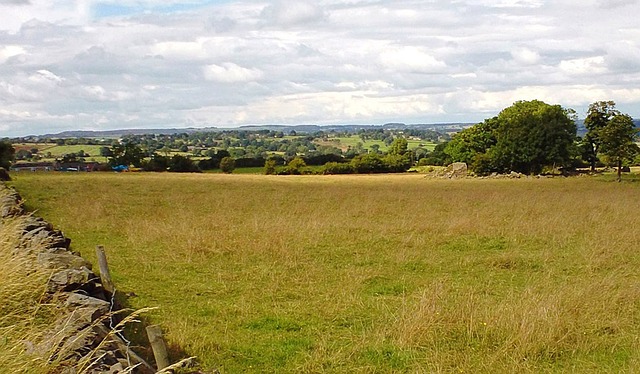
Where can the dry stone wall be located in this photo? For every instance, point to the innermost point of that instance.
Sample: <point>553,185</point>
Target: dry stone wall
<point>84,332</point>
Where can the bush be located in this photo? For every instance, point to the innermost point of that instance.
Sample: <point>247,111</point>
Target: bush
<point>249,162</point>
<point>227,165</point>
<point>156,163</point>
<point>337,168</point>
<point>323,159</point>
<point>482,164</point>
<point>368,163</point>
<point>295,166</point>
<point>209,164</point>
<point>182,164</point>
<point>396,163</point>
<point>423,162</point>
<point>270,167</point>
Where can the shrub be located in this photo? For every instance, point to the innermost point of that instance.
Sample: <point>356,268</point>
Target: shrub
<point>270,167</point>
<point>337,168</point>
<point>323,159</point>
<point>368,163</point>
<point>227,165</point>
<point>156,163</point>
<point>396,163</point>
<point>249,162</point>
<point>295,166</point>
<point>182,164</point>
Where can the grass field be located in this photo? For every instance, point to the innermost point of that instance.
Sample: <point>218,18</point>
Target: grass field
<point>57,151</point>
<point>345,142</point>
<point>368,274</point>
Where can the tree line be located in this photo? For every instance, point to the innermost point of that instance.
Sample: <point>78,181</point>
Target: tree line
<point>529,137</point>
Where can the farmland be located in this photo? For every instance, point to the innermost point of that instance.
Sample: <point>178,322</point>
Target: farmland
<point>52,151</point>
<point>384,273</point>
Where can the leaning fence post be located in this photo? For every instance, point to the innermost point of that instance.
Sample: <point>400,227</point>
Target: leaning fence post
<point>154,332</point>
<point>105,275</point>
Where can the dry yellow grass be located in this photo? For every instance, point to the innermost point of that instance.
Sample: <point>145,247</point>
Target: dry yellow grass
<point>385,273</point>
<point>23,318</point>
<point>37,333</point>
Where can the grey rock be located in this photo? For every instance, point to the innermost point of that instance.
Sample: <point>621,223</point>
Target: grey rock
<point>76,300</point>
<point>85,310</point>
<point>33,223</point>
<point>62,261</point>
<point>71,279</point>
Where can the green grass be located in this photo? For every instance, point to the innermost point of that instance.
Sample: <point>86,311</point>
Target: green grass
<point>57,151</point>
<point>352,141</point>
<point>372,273</point>
<point>60,150</point>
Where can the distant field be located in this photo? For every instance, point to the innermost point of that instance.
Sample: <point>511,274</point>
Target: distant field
<point>364,274</point>
<point>57,151</point>
<point>352,141</point>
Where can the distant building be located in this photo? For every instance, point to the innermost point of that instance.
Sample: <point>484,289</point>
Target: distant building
<point>34,166</point>
<point>78,166</point>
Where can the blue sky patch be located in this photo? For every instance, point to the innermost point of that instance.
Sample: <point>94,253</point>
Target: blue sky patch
<point>105,10</point>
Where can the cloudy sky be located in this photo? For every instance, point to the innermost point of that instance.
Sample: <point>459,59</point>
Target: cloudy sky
<point>150,64</point>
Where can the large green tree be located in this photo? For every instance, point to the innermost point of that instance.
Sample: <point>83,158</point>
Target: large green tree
<point>598,117</point>
<point>398,147</point>
<point>126,153</point>
<point>524,137</point>
<point>534,134</point>
<point>617,140</point>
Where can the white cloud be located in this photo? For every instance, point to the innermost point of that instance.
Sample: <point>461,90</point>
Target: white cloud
<point>45,76</point>
<point>229,72</point>
<point>9,51</point>
<point>583,66</point>
<point>525,56</point>
<point>410,59</point>
<point>179,50</point>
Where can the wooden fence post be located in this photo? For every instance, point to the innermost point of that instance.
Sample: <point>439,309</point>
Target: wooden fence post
<point>105,275</point>
<point>154,332</point>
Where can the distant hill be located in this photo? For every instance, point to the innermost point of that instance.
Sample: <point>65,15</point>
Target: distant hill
<point>305,129</point>
<point>123,132</point>
<point>583,130</point>
<point>284,128</point>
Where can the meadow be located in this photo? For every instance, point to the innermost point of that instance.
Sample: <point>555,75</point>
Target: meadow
<point>52,151</point>
<point>344,142</point>
<point>367,273</point>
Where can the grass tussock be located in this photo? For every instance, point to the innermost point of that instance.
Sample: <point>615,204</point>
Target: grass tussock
<point>368,273</point>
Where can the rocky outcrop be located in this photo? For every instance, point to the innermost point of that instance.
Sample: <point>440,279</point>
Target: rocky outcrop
<point>85,335</point>
<point>454,171</point>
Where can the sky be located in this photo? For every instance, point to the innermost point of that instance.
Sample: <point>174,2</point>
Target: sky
<point>103,65</point>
